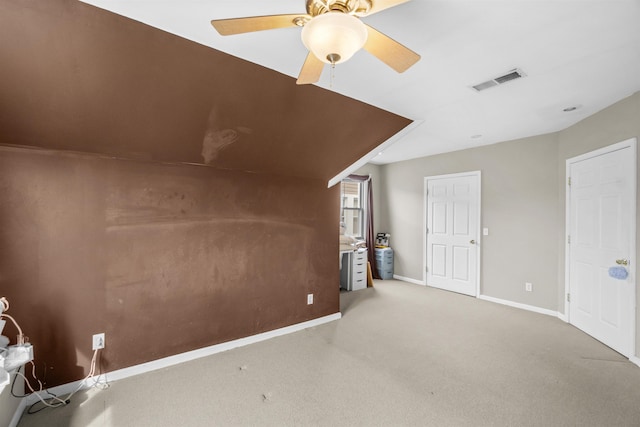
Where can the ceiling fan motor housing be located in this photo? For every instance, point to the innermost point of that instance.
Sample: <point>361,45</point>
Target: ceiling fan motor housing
<point>354,7</point>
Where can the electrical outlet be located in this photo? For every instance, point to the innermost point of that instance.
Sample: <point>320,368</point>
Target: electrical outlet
<point>98,341</point>
<point>528,287</point>
<point>309,299</point>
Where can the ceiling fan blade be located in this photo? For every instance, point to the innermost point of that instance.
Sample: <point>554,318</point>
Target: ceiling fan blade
<point>380,5</point>
<point>227,27</point>
<point>311,70</point>
<point>389,51</point>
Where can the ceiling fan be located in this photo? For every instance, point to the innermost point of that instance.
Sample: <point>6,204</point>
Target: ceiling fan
<point>333,32</point>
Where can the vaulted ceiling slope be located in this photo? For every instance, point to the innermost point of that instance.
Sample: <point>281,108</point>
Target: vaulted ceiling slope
<point>78,78</point>
<point>574,53</point>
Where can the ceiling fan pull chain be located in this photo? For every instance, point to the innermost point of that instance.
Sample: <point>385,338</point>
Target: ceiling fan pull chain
<point>333,70</point>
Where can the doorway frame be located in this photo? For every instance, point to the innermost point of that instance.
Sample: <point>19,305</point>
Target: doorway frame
<point>478,175</point>
<point>630,143</point>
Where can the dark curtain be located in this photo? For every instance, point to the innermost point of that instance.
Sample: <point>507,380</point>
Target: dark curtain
<point>369,237</point>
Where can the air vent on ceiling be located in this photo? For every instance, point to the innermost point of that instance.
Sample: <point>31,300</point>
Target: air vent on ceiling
<point>511,75</point>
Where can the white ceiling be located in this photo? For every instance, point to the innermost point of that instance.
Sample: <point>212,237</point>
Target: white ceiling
<point>583,53</point>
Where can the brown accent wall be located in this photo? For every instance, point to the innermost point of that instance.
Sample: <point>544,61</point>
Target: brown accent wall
<point>160,191</point>
<point>162,258</point>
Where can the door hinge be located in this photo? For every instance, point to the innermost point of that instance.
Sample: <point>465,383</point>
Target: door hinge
<point>568,297</point>
<point>569,238</point>
<point>427,230</point>
<point>569,181</point>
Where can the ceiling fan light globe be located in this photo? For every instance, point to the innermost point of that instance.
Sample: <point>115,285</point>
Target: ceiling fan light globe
<point>334,35</point>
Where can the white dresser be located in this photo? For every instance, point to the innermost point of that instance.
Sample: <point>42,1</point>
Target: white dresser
<point>353,273</point>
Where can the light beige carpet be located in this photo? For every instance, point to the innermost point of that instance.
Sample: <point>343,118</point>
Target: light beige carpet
<point>402,355</point>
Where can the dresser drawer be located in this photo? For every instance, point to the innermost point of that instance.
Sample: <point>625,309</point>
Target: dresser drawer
<point>386,275</point>
<point>384,265</point>
<point>359,275</point>
<point>384,259</point>
<point>359,256</point>
<point>360,267</point>
<point>359,281</point>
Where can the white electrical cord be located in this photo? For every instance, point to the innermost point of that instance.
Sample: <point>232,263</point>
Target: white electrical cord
<point>92,372</point>
<point>61,401</point>
<point>37,393</point>
<point>4,306</point>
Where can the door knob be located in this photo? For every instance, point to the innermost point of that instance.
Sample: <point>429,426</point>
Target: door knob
<point>473,242</point>
<point>622,262</point>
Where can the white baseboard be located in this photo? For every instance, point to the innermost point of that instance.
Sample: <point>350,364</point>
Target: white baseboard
<point>527,307</point>
<point>407,279</point>
<point>635,360</point>
<point>520,305</point>
<point>131,371</point>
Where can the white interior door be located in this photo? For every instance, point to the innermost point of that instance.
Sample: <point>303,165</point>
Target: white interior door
<point>601,224</point>
<point>452,223</point>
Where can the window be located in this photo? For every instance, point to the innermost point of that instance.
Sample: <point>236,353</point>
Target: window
<point>352,210</point>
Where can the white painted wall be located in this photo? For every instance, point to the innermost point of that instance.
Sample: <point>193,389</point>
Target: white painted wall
<point>523,202</point>
<point>519,205</point>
